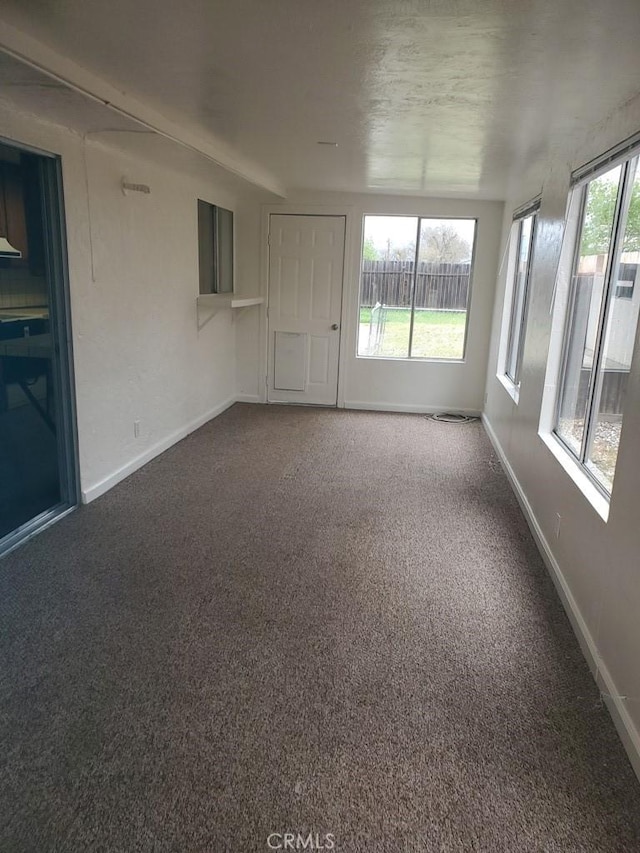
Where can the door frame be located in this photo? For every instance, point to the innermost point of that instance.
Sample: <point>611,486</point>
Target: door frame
<point>56,260</point>
<point>345,211</point>
<point>271,349</point>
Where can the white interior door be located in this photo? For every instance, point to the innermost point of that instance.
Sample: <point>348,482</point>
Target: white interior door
<point>306,259</point>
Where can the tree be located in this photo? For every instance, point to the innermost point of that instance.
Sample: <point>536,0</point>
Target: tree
<point>400,253</point>
<point>599,213</point>
<point>443,244</point>
<point>390,252</point>
<point>369,251</point>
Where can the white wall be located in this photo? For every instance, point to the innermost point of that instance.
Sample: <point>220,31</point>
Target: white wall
<point>596,563</point>
<point>399,384</point>
<point>249,322</point>
<point>133,265</point>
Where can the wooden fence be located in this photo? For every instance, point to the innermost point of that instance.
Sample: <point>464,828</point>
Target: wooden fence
<point>614,378</point>
<point>443,287</point>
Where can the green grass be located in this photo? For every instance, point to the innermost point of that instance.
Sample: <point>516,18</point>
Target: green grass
<point>436,334</point>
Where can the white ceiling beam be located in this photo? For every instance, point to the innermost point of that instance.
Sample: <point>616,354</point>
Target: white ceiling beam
<point>37,55</point>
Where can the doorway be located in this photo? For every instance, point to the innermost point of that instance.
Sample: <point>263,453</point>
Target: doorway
<point>306,262</point>
<point>38,458</point>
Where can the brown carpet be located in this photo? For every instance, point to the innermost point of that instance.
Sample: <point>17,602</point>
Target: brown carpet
<point>308,621</point>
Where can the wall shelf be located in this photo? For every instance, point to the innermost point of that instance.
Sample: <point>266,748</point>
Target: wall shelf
<point>211,303</point>
<point>218,301</point>
<point>246,301</point>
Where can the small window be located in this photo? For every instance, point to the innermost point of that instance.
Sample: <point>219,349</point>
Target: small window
<point>415,286</point>
<point>215,248</point>
<point>601,320</point>
<point>523,235</point>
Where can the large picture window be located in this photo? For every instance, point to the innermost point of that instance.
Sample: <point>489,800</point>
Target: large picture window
<point>415,286</point>
<point>602,317</point>
<point>523,235</point>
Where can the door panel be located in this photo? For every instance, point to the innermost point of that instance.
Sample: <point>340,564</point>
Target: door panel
<point>321,278</point>
<point>290,362</point>
<point>288,283</point>
<point>306,260</point>
<point>319,360</point>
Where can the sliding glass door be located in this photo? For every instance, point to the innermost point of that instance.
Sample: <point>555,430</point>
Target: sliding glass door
<point>37,420</point>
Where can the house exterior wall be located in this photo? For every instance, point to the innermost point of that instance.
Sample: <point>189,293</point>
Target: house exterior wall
<point>394,384</point>
<point>133,268</point>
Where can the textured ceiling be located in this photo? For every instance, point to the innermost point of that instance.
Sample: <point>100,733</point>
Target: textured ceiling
<point>438,97</point>
<point>35,93</point>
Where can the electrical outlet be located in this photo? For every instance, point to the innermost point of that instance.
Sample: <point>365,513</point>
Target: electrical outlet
<point>136,429</point>
<point>558,524</point>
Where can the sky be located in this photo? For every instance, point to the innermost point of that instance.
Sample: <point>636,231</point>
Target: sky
<point>402,230</point>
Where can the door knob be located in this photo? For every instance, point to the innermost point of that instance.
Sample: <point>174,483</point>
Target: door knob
<point>335,327</point>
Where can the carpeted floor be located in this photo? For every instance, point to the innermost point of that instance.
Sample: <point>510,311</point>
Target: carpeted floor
<point>310,621</point>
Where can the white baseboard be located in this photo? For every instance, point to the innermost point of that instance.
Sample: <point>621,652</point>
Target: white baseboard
<point>92,492</point>
<point>248,398</point>
<point>416,409</point>
<point>625,726</point>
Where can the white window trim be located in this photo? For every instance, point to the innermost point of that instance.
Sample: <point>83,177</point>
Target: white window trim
<point>509,386</point>
<point>509,294</point>
<point>531,208</point>
<point>474,249</point>
<point>576,469</point>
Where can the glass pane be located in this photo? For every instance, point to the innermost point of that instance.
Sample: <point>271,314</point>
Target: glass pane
<point>29,465</point>
<point>205,247</point>
<point>519,294</point>
<point>585,308</point>
<point>622,321</point>
<point>388,259</point>
<point>442,287</point>
<point>223,249</point>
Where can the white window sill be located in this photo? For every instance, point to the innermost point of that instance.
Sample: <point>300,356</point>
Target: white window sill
<point>412,360</point>
<point>575,471</point>
<point>510,387</point>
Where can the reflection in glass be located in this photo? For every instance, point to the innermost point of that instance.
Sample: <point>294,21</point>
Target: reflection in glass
<point>620,330</point>
<point>589,277</point>
<point>29,467</point>
<point>518,311</point>
<point>215,248</point>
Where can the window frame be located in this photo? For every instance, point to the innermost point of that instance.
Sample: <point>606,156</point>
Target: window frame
<point>530,210</point>
<point>216,262</point>
<point>581,180</point>
<point>419,217</point>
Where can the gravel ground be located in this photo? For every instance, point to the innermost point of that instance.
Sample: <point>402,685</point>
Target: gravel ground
<point>605,444</point>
